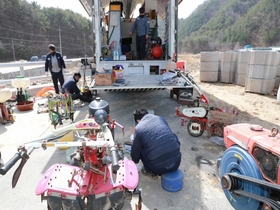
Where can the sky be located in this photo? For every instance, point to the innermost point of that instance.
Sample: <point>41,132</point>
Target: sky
<point>185,8</point>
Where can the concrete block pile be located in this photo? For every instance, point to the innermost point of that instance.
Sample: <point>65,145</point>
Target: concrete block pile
<point>257,70</point>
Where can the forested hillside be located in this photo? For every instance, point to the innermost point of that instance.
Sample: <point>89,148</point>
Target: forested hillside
<point>27,29</point>
<point>230,24</point>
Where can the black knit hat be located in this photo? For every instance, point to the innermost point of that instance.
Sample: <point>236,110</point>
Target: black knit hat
<point>77,74</point>
<point>139,114</point>
<point>142,10</point>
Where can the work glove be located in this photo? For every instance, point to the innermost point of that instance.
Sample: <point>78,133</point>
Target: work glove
<point>47,73</point>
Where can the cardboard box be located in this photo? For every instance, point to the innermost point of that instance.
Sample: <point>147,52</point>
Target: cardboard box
<point>103,79</point>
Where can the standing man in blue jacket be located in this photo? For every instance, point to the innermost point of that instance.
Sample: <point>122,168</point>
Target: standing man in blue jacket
<point>155,145</point>
<point>142,24</point>
<point>55,63</point>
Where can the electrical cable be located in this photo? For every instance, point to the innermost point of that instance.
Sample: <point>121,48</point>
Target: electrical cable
<point>110,35</point>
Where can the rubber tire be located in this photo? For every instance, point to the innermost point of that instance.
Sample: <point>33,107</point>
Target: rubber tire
<point>72,117</point>
<point>189,128</point>
<point>171,94</point>
<point>236,159</point>
<point>219,127</point>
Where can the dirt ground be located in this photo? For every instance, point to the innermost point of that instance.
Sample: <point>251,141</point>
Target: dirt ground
<point>252,108</point>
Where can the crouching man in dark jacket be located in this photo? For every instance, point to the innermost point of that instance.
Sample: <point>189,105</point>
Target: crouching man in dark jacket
<point>155,145</point>
<point>70,86</point>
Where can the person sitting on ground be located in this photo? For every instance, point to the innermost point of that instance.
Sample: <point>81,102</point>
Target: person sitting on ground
<point>155,145</point>
<point>70,86</point>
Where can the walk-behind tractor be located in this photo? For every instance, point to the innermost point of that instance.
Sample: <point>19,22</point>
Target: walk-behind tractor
<point>249,169</point>
<point>98,176</point>
<point>198,114</point>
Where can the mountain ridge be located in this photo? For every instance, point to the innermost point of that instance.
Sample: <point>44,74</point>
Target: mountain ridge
<point>230,24</point>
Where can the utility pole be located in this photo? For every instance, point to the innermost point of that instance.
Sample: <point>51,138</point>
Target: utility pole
<point>13,48</point>
<point>85,44</point>
<point>60,48</point>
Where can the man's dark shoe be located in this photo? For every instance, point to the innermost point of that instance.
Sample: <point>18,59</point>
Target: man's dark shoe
<point>151,174</point>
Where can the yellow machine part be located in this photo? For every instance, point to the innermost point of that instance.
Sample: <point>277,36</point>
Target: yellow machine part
<point>69,137</point>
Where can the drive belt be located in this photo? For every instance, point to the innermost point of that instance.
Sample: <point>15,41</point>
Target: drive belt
<point>256,181</point>
<point>273,204</point>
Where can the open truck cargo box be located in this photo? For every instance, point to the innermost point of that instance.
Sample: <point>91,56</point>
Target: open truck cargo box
<point>112,21</point>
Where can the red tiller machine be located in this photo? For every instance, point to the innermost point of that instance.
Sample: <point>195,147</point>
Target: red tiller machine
<point>98,176</point>
<point>195,111</point>
<point>249,169</point>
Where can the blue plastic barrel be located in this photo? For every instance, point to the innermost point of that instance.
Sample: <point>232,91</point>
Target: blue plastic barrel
<point>172,181</point>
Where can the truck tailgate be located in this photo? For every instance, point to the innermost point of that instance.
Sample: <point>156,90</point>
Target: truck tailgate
<point>140,82</point>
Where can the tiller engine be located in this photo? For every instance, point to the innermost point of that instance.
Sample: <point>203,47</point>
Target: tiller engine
<point>249,169</point>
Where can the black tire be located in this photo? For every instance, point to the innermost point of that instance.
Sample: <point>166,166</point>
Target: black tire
<point>217,129</point>
<point>72,117</point>
<point>171,94</point>
<point>195,128</point>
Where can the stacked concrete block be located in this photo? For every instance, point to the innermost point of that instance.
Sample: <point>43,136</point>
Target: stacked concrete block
<point>277,82</point>
<point>219,68</point>
<point>228,66</point>
<point>261,71</point>
<point>277,78</point>
<point>242,67</point>
<point>209,65</point>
